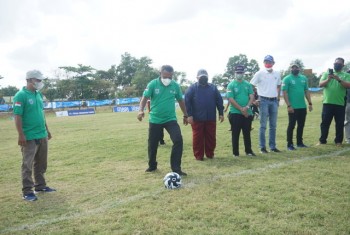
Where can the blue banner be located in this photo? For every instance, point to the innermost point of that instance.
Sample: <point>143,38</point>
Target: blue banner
<point>127,100</point>
<point>99,102</point>
<point>5,107</point>
<point>81,112</point>
<point>126,108</point>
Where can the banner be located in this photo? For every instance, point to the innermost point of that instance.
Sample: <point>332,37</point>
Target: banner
<point>126,109</point>
<point>127,100</point>
<point>81,112</point>
<point>5,107</point>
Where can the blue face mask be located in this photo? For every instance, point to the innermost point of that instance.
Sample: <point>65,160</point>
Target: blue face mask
<point>338,67</point>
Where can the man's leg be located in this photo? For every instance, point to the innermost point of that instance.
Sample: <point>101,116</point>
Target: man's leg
<point>210,138</point>
<point>273,111</point>
<point>40,164</point>
<point>301,117</point>
<point>263,122</point>
<point>327,116</point>
<point>290,128</point>
<point>174,131</point>
<point>28,153</point>
<point>198,139</point>
<point>154,133</point>
<point>347,123</point>
<point>339,117</point>
<point>236,126</point>
<point>246,128</point>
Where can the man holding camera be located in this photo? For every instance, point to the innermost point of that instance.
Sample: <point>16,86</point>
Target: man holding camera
<point>334,83</point>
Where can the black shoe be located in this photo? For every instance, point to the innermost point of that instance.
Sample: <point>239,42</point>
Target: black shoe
<point>151,169</point>
<point>251,154</point>
<point>275,150</point>
<point>181,173</point>
<point>263,150</point>
<point>291,148</point>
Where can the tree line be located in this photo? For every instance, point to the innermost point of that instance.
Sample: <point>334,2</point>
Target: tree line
<point>130,77</point>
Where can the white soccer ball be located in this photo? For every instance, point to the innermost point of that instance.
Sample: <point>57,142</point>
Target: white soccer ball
<point>172,180</point>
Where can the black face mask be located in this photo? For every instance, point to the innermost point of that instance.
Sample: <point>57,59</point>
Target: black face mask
<point>338,67</point>
<point>295,72</point>
<point>203,81</point>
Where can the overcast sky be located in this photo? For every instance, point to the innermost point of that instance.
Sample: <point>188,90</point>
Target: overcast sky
<point>187,34</point>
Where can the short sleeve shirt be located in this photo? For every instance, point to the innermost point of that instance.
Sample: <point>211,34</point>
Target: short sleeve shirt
<point>29,105</point>
<point>240,92</point>
<point>162,100</point>
<point>266,83</point>
<point>295,86</point>
<point>334,92</point>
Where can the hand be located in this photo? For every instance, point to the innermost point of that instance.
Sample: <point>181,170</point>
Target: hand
<point>22,140</point>
<point>49,136</point>
<point>221,118</point>
<point>290,109</point>
<point>190,120</point>
<point>257,103</point>
<point>185,121</point>
<point>244,112</point>
<point>336,78</point>
<point>140,115</point>
<point>310,108</point>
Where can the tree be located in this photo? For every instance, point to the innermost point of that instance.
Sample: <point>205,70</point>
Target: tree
<point>251,66</point>
<point>126,70</point>
<point>8,91</point>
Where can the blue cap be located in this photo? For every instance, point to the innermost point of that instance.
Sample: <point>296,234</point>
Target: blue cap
<point>269,58</point>
<point>239,69</point>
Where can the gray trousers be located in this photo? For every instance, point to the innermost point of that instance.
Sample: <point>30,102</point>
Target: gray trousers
<point>34,161</point>
<point>347,123</point>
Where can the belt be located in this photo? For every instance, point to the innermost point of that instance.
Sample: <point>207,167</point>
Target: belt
<point>268,98</point>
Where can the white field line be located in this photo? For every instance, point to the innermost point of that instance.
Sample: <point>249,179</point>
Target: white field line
<point>189,184</point>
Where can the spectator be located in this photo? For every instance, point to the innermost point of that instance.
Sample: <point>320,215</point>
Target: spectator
<point>241,96</point>
<point>33,135</point>
<point>162,92</point>
<point>295,88</point>
<point>334,83</point>
<point>268,84</point>
<point>202,99</point>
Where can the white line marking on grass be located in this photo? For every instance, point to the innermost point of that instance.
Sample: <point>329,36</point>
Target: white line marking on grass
<point>189,184</point>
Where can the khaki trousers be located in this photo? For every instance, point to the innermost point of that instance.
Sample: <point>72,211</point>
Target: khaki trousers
<point>34,161</point>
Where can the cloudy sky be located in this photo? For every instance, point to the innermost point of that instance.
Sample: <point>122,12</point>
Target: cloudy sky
<point>188,34</point>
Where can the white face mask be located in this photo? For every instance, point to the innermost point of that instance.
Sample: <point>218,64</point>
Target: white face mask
<point>38,85</point>
<point>166,81</point>
<point>239,76</point>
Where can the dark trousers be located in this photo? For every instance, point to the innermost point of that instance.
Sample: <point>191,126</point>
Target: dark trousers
<point>239,122</point>
<point>298,117</point>
<point>34,162</point>
<point>328,112</point>
<point>204,138</point>
<point>154,134</point>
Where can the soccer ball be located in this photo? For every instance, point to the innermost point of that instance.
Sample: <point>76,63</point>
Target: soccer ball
<point>172,180</point>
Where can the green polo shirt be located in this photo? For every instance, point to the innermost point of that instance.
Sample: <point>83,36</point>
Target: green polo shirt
<point>162,100</point>
<point>240,92</point>
<point>334,92</point>
<point>29,105</point>
<point>296,87</point>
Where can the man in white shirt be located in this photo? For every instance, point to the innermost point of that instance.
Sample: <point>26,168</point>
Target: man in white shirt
<point>268,84</point>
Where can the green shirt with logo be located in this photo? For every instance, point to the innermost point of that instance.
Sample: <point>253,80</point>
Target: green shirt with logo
<point>162,100</point>
<point>334,92</point>
<point>29,105</point>
<point>240,92</point>
<point>295,87</point>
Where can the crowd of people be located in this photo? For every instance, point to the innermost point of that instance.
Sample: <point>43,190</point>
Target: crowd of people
<point>201,106</point>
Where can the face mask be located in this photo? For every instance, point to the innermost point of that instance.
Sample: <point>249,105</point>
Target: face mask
<point>166,81</point>
<point>38,85</point>
<point>203,81</point>
<point>295,72</point>
<point>338,67</point>
<point>239,76</point>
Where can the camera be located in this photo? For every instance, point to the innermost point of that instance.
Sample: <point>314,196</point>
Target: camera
<point>330,71</point>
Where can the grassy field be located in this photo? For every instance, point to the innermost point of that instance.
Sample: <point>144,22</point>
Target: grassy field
<point>97,163</point>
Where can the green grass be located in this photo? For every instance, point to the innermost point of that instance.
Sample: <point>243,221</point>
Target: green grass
<point>97,164</point>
